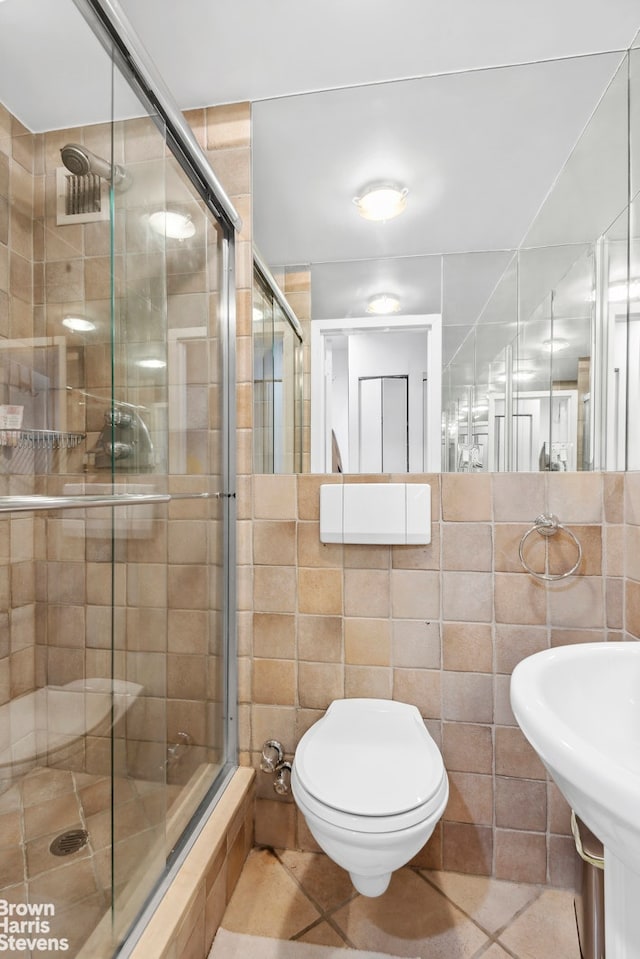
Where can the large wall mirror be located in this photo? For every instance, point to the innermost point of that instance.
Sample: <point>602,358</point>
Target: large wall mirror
<point>491,320</point>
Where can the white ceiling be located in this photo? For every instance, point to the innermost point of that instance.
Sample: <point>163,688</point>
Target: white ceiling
<point>214,51</point>
<point>478,150</point>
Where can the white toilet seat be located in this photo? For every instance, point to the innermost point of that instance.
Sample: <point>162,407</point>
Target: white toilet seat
<point>369,766</point>
<point>370,824</point>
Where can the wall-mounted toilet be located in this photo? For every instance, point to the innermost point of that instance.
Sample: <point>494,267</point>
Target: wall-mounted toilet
<point>371,784</point>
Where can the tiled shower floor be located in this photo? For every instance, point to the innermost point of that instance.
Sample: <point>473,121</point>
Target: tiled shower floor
<point>434,915</point>
<point>47,802</point>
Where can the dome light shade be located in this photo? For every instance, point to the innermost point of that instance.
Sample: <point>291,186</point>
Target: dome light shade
<point>381,201</point>
<point>152,364</point>
<point>175,225</point>
<point>78,324</point>
<point>555,345</point>
<point>383,303</point>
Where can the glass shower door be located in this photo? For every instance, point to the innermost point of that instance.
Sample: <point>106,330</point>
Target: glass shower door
<point>168,434</point>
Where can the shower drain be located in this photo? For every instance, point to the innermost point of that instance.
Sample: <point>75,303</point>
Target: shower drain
<point>69,842</point>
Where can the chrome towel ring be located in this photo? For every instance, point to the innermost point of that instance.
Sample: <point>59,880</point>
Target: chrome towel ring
<point>547,524</point>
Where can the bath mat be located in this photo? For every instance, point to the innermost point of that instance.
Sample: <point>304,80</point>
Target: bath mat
<point>237,945</point>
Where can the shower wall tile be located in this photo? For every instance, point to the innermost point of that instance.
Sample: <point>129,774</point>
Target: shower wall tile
<point>4,218</point>
<point>274,543</point>
<point>466,596</point>
<point>632,608</point>
<point>519,599</point>
<point>513,643</point>
<point>319,638</point>
<point>466,546</point>
<point>274,682</point>
<point>416,643</point>
<point>272,722</point>
<point>367,682</point>
<point>470,799</point>
<point>366,592</point>
<point>274,635</point>
<point>467,848</point>
<point>464,500</point>
<point>520,856</point>
<point>521,804</point>
<point>274,497</point>
<point>274,589</point>
<point>614,549</point>
<point>514,756</point>
<point>367,642</point>
<point>576,497</point>
<point>320,591</point>
<point>467,647</point>
<point>467,697</point>
<point>518,497</point>
<point>320,683</point>
<point>467,747</point>
<point>614,597</point>
<point>421,688</point>
<point>559,811</point>
<point>613,497</point>
<point>578,603</point>
<point>415,594</point>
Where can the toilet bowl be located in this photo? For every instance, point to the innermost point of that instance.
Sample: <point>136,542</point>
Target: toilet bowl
<point>371,785</point>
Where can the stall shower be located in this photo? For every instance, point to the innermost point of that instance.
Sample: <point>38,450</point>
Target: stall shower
<point>116,496</point>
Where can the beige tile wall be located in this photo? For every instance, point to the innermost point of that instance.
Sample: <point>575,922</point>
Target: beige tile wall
<point>297,288</point>
<point>628,544</point>
<point>441,627</point>
<point>18,164</point>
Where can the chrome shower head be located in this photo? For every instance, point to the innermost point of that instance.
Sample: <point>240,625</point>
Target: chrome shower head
<point>80,161</point>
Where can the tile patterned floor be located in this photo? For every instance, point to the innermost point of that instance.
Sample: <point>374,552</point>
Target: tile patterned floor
<point>434,915</point>
<point>47,802</point>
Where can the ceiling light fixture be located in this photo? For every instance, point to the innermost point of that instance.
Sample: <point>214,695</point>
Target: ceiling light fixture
<point>381,201</point>
<point>170,223</point>
<point>78,324</point>
<point>383,303</point>
<point>518,376</point>
<point>555,345</point>
<point>152,364</point>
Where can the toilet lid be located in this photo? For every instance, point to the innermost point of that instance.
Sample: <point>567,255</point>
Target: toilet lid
<point>369,757</point>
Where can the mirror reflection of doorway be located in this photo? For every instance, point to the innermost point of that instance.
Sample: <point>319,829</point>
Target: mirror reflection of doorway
<point>376,395</point>
<point>383,403</point>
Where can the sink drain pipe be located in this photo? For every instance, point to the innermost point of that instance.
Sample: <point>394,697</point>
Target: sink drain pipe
<point>589,904</point>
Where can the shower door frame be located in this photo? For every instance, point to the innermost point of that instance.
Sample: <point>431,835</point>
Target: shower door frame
<point>116,34</point>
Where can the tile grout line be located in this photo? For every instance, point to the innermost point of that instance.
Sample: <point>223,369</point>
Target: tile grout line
<point>455,905</point>
<point>493,937</point>
<point>325,914</point>
<point>106,900</point>
<point>485,949</point>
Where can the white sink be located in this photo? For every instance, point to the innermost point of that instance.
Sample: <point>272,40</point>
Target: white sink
<point>579,707</point>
